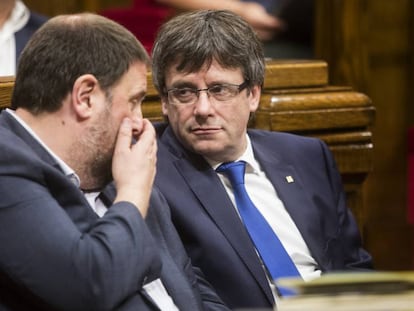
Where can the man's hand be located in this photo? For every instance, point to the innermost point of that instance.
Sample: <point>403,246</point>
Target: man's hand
<point>134,164</point>
<point>266,26</point>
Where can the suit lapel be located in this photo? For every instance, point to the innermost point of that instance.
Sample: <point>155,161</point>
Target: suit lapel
<point>207,187</point>
<point>290,189</point>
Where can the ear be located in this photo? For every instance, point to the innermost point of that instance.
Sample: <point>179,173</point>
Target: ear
<point>255,93</point>
<point>164,105</point>
<point>83,89</point>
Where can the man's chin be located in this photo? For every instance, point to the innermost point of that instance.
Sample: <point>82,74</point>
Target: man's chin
<point>207,149</point>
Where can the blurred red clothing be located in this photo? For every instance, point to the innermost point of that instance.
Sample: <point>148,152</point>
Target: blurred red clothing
<point>143,19</point>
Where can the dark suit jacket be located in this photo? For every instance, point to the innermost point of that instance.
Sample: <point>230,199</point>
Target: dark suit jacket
<point>57,254</point>
<point>216,239</point>
<point>24,34</point>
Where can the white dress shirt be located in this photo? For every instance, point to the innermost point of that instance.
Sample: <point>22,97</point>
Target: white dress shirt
<point>18,19</point>
<point>155,289</point>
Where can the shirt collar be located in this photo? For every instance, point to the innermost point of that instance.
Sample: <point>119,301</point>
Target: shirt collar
<point>248,157</point>
<point>69,172</point>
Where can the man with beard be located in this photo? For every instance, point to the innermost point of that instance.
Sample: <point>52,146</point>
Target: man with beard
<point>75,124</point>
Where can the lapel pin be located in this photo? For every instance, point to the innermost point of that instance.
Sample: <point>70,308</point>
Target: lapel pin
<point>289,179</point>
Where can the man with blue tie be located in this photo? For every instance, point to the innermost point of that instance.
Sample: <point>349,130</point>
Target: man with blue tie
<point>251,206</point>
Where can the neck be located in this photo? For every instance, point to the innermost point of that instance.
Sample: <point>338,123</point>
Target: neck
<point>6,8</point>
<point>61,139</point>
<point>91,181</point>
<point>70,141</point>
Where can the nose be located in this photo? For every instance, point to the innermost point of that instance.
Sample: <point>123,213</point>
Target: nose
<point>136,111</point>
<point>203,105</point>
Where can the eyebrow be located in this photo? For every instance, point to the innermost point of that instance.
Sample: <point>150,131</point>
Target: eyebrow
<point>188,84</point>
<point>183,84</point>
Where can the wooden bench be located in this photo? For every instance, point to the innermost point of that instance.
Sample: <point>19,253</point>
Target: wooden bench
<point>6,87</point>
<point>297,98</point>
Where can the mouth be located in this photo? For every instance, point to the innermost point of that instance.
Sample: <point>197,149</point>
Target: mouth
<point>205,130</point>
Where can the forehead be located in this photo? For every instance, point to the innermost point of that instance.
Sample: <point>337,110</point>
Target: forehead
<point>211,70</point>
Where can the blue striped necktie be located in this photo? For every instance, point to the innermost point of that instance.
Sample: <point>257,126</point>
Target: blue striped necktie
<point>273,254</point>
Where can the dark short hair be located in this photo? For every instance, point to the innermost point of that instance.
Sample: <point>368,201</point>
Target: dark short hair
<point>193,39</point>
<point>66,47</point>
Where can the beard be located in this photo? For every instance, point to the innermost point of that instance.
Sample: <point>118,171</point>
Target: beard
<point>97,148</point>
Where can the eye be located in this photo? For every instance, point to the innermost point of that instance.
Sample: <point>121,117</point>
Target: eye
<point>184,95</point>
<point>218,89</point>
<point>184,92</point>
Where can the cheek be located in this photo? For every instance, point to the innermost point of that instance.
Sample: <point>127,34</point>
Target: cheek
<point>179,115</point>
<point>122,105</point>
<point>111,123</point>
<point>119,112</point>
<point>238,114</point>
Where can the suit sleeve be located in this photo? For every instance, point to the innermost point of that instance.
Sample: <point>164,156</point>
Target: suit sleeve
<point>210,299</point>
<point>201,289</point>
<point>349,238</point>
<point>43,250</point>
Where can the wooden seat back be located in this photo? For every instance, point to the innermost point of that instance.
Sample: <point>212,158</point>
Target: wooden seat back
<point>297,98</point>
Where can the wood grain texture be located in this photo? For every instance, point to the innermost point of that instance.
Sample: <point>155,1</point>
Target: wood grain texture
<point>6,88</point>
<point>368,45</point>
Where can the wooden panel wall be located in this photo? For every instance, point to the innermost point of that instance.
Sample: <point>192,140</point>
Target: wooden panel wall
<point>367,46</point>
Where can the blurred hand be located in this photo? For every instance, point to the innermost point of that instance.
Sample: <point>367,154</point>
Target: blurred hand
<point>266,26</point>
<point>134,165</point>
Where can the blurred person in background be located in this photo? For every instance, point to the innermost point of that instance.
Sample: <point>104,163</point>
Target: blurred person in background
<point>284,26</point>
<point>17,24</point>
